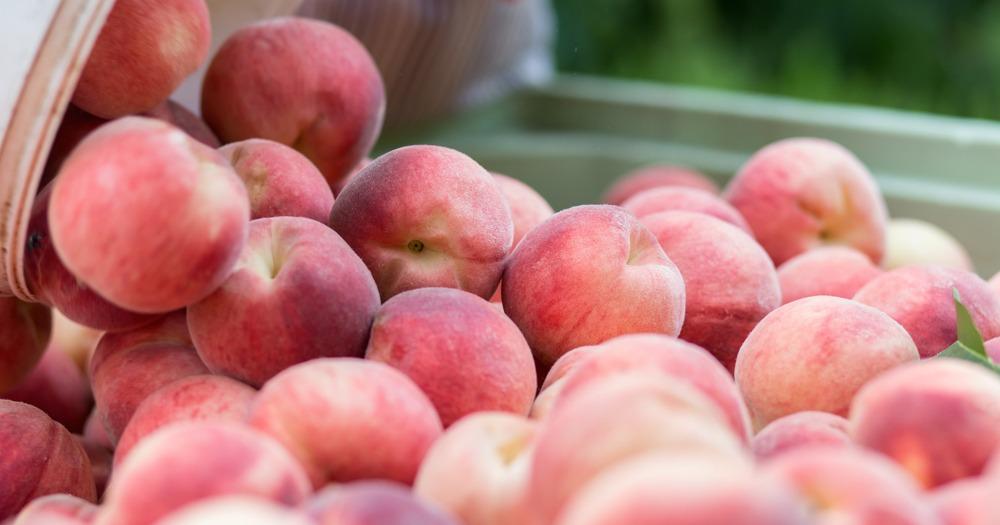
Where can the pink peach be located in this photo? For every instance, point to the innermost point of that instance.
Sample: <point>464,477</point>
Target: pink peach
<point>912,241</point>
<point>993,349</point>
<point>57,387</point>
<point>25,328</point>
<point>236,510</point>
<point>828,270</point>
<point>659,200</point>
<point>967,502</point>
<point>57,509</point>
<point>528,209</point>
<point>373,503</point>
<point>187,121</point>
<point>361,165</point>
<point>656,176</point>
<point>801,429</point>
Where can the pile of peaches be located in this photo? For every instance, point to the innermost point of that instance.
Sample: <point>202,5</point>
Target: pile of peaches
<point>243,320</point>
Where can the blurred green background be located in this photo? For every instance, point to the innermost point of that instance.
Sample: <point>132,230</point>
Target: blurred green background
<point>940,56</point>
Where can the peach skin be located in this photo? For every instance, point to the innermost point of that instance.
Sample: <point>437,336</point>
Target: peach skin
<point>656,176</point>
<point>829,270</point>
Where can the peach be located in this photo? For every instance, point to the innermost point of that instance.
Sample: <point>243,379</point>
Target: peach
<point>195,398</point>
<point>145,49</point>
<point>147,217</point>
<point>828,270</point>
<point>801,193</point>
<point>424,216</point>
<point>656,176</point>
<point>967,502</point>
<point>281,182</point>
<point>57,387</point>
<point>849,485</point>
<point>659,200</point>
<point>216,459</point>
<point>362,164</point>
<point>618,418</point>
<point>373,503</point>
<point>993,349</point>
<point>994,282</point>
<point>384,424</point>
<point>586,275</point>
<point>477,470</point>
<point>57,509</point>
<point>939,418</point>
<point>655,490</point>
<point>807,428</point>
<point>912,241</point>
<point>39,457</point>
<point>528,209</point>
<point>101,459</point>
<point>814,354</point>
<point>73,339</point>
<point>425,334</point>
<point>94,431</point>
<point>25,328</point>
<point>233,510</point>
<point>129,366</point>
<point>679,361</point>
<point>298,292</point>
<point>921,299</point>
<point>304,83</point>
<point>729,281</point>
<point>182,117</point>
<point>53,284</point>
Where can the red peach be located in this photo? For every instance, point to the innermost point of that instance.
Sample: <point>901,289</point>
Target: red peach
<point>194,398</point>
<point>216,459</point>
<point>57,387</point>
<point>145,49</point>
<point>361,165</point>
<point>129,366</point>
<point>528,209</point>
<point>679,361</point>
<point>654,490</point>
<point>373,503</point>
<point>25,328</point>
<point>807,428</point>
<point>182,117</point>
<point>145,216</point>
<point>921,299</point>
<point>39,457</point>
<point>424,216</point>
<point>828,270</point>
<point>384,424</point>
<point>280,181</point>
<point>967,502</point>
<point>729,281</point>
<point>57,509</point>
<point>656,176</point>
<point>478,469</point>
<point>236,510</point>
<point>425,334</point>
<point>101,458</point>
<point>659,200</point>
<point>304,83</point>
<point>586,275</point>
<point>94,431</point>
<point>938,418</point>
<point>797,194</point>
<point>911,241</point>
<point>298,292</point>
<point>815,354</point>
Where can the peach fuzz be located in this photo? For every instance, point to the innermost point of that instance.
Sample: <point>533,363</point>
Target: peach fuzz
<point>57,509</point>
<point>678,361</point>
<point>195,398</point>
<point>373,503</point>
<point>939,418</point>
<point>52,283</point>
<point>815,354</point>
<point>659,200</point>
<point>828,270</point>
<point>967,502</point>
<point>144,51</point>
<point>849,485</point>
<point>129,366</point>
<point>166,242</point>
<point>297,293</point>
<point>280,181</point>
<point>236,510</point>
<point>801,429</point>
<point>586,275</point>
<point>654,490</point>
<point>477,471</point>
<point>618,418</point>
<point>656,176</point>
<point>729,281</point>
<point>39,457</point>
<point>912,241</point>
<point>57,387</point>
<point>424,216</point>
<point>26,328</point>
<point>801,193</point>
<point>216,459</point>
<point>921,299</point>
<point>425,334</point>
<point>326,100</point>
<point>384,424</point>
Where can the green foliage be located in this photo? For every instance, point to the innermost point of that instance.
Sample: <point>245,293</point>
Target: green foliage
<point>931,55</point>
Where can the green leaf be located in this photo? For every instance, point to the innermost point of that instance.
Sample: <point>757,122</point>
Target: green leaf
<point>968,334</point>
<point>960,351</point>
